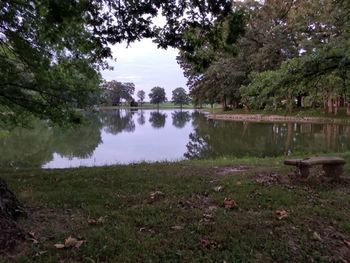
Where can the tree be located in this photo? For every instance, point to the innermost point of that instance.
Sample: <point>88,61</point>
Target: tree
<point>180,97</point>
<point>116,91</point>
<point>51,53</point>
<point>141,95</point>
<point>157,96</point>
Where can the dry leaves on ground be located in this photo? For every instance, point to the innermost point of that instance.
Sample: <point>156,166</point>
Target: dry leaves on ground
<point>94,222</point>
<point>69,242</point>
<point>156,195</point>
<point>281,214</point>
<point>230,203</point>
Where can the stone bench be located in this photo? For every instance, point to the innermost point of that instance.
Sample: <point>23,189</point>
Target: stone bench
<point>332,166</point>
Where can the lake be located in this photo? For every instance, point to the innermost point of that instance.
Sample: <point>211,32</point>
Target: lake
<point>129,136</point>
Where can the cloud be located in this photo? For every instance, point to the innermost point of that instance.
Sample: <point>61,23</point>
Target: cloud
<point>147,66</point>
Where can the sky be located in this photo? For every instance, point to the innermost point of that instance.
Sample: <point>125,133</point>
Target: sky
<point>146,66</point>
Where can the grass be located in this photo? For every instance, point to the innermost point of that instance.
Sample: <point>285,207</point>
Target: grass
<point>189,222</point>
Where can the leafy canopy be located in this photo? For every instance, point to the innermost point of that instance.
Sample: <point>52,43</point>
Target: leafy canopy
<point>51,51</point>
<point>157,95</point>
<point>180,97</point>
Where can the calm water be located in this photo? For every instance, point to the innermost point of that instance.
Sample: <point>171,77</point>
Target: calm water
<point>124,136</point>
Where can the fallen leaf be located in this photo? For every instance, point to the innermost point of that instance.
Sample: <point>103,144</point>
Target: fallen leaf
<point>59,246</point>
<point>32,234</point>
<point>218,188</point>
<point>316,236</point>
<point>281,214</point>
<point>95,222</point>
<point>156,195</point>
<point>230,203</point>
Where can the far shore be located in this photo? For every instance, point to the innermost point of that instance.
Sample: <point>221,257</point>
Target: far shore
<point>277,118</point>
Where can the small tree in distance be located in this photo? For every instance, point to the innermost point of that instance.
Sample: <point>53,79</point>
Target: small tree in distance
<point>180,97</point>
<point>157,96</point>
<point>141,95</point>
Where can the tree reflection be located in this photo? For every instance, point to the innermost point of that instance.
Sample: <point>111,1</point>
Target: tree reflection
<point>118,121</point>
<point>212,139</point>
<point>141,120</point>
<point>180,118</point>
<point>157,119</point>
<point>36,146</point>
<point>80,141</point>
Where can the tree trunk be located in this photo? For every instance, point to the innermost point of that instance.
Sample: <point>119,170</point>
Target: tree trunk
<point>348,108</point>
<point>299,101</point>
<point>10,209</point>
<point>330,105</point>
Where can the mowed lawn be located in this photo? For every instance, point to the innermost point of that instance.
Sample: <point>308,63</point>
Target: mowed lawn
<point>176,212</point>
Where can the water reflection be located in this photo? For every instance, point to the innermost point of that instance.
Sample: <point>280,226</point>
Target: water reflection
<point>211,139</point>
<point>34,147</point>
<point>117,121</point>
<point>158,119</point>
<point>124,136</point>
<point>141,120</point>
<point>180,118</point>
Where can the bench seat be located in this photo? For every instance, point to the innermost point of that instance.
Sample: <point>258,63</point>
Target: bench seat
<point>332,166</point>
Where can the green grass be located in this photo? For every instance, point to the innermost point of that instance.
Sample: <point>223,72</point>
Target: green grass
<point>138,229</point>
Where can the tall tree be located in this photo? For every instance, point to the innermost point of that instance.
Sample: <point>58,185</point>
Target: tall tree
<point>180,97</point>
<point>116,91</point>
<point>51,51</point>
<point>141,95</point>
<point>157,96</point>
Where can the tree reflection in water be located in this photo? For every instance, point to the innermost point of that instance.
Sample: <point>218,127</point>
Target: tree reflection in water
<point>157,119</point>
<point>141,120</point>
<point>212,139</point>
<point>117,121</point>
<point>35,146</point>
<point>180,118</point>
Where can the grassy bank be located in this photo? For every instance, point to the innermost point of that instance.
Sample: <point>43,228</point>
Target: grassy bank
<point>295,113</point>
<point>175,212</point>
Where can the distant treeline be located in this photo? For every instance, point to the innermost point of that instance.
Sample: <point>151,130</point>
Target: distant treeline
<point>113,93</point>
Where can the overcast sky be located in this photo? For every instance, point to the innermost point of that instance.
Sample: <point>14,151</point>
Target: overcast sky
<point>146,66</point>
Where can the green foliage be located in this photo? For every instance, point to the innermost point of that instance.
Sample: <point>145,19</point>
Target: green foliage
<point>157,95</point>
<point>114,92</point>
<point>51,51</point>
<point>290,50</point>
<point>141,95</point>
<point>180,97</point>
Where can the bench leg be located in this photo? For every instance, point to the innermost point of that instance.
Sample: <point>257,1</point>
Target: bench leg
<point>333,170</point>
<point>304,172</point>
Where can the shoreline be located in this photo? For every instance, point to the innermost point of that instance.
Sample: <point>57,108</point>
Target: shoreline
<point>276,118</point>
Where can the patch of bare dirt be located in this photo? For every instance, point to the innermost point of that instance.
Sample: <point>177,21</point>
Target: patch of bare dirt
<point>43,225</point>
<point>230,170</point>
